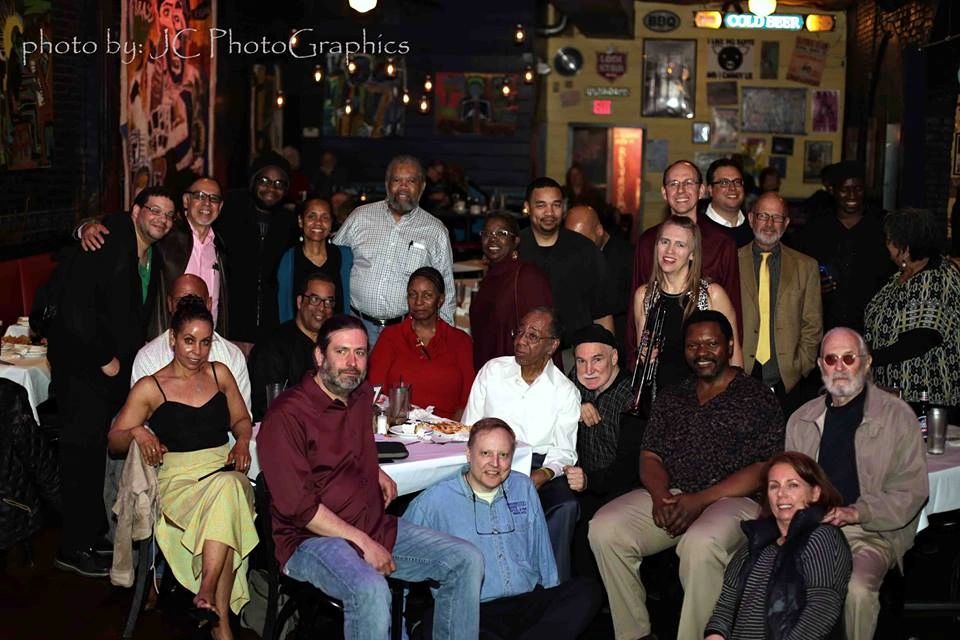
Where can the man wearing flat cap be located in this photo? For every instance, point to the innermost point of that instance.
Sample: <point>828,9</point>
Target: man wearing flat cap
<point>850,248</point>
<point>256,230</point>
<point>608,440</point>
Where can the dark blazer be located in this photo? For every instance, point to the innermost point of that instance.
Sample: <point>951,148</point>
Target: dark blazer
<point>103,314</point>
<point>176,247</point>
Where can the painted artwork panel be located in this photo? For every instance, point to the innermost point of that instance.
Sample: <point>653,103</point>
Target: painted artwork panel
<point>474,103</point>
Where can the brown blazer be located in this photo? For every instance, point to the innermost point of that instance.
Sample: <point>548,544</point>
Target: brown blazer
<point>798,313</point>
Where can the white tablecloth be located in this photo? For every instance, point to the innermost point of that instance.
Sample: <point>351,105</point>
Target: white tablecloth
<point>428,463</point>
<point>33,374</point>
<point>17,330</point>
<point>944,473</point>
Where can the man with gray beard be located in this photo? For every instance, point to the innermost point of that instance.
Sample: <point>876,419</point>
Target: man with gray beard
<point>390,240</point>
<point>869,444</point>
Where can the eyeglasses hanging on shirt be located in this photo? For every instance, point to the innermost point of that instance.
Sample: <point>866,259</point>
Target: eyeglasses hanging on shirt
<point>493,531</point>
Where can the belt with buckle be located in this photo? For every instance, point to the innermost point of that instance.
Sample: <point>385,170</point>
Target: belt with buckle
<point>382,323</point>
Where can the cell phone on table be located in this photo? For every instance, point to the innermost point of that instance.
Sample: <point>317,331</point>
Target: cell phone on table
<point>227,467</point>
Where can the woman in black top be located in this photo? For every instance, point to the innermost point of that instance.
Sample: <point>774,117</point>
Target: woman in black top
<point>206,516</point>
<point>790,580</point>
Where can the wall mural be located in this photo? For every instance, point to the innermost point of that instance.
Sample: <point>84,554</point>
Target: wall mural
<point>374,98</point>
<point>475,103</point>
<point>166,104</point>
<point>26,86</point>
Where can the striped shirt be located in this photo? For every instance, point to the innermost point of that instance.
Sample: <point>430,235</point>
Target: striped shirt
<point>386,252</point>
<point>825,566</point>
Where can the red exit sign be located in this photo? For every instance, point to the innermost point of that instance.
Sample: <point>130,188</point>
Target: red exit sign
<point>602,107</point>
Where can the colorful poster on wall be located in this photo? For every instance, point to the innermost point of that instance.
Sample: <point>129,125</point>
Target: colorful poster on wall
<point>366,102</point>
<point>808,60</point>
<point>626,173</point>
<point>730,59</point>
<point>167,90</point>
<point>474,103</point>
<point>26,86</point>
<point>826,111</point>
<point>773,110</point>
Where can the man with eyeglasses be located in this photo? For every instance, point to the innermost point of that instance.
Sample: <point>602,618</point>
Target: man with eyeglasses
<point>726,191</point>
<point>285,355</point>
<point>782,309</point>
<point>682,189</point>
<point>390,240</point>
<point>869,445</point>
<point>106,300</point>
<point>499,512</point>
<point>528,392</point>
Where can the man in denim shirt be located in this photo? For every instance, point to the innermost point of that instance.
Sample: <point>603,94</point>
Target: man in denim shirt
<point>500,513</point>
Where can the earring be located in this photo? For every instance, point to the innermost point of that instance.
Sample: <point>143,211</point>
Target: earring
<point>515,254</point>
<point>903,265</point>
<point>301,238</point>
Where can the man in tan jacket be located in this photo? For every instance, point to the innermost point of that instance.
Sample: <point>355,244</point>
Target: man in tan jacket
<point>868,443</point>
<point>780,342</point>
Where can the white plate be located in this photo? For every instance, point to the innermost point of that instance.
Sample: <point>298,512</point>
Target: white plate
<point>398,431</point>
<point>442,438</point>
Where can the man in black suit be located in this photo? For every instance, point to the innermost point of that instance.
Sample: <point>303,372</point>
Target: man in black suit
<point>100,324</point>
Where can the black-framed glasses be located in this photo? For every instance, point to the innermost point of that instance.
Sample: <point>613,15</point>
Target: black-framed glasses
<point>280,185</point>
<point>313,300</point>
<point>676,185</point>
<point>531,338</point>
<point>848,359</point>
<point>203,196</point>
<point>728,182</point>
<point>499,234</point>
<point>157,211</point>
<point>494,531</point>
<point>776,218</point>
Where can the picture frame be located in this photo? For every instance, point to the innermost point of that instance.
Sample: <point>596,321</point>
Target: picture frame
<point>701,133</point>
<point>781,146</point>
<point>669,78</point>
<point>773,110</point>
<point>816,155</point>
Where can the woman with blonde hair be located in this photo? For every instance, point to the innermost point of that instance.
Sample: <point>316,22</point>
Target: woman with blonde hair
<point>675,290</point>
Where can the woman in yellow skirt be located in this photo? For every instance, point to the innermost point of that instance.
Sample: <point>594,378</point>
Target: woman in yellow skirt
<point>205,527</point>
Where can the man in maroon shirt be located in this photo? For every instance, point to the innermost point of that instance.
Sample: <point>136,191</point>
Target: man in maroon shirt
<point>317,452</point>
<point>682,189</point>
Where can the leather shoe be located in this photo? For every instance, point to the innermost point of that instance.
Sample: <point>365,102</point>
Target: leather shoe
<point>103,547</point>
<point>84,562</point>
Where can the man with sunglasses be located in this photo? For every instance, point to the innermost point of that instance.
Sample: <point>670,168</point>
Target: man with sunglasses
<point>100,324</point>
<point>286,353</point>
<point>781,338</point>
<point>726,191</point>
<point>499,512</point>
<point>530,393</point>
<point>869,445</point>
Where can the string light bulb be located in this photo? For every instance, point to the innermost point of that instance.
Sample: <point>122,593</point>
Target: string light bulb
<point>519,34</point>
<point>424,105</point>
<point>505,89</point>
<point>406,97</point>
<point>363,196</point>
<point>294,40</point>
<point>391,68</point>
<point>428,85</point>
<point>348,109</point>
<point>528,74</point>
<point>280,99</point>
<point>351,67</point>
<point>318,74</point>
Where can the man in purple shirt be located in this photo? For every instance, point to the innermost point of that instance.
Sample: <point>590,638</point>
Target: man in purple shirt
<point>317,452</point>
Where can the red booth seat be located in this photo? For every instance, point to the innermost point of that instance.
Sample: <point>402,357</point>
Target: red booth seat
<point>19,280</point>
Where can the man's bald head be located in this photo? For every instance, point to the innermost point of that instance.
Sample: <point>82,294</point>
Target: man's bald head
<point>187,285</point>
<point>584,220</point>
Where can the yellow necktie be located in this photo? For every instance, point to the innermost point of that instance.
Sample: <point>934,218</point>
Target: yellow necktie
<point>763,300</point>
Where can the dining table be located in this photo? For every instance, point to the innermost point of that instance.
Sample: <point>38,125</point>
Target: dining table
<point>427,463</point>
<point>944,474</point>
<point>31,373</point>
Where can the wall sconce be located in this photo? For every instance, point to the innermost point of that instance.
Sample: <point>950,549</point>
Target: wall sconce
<point>762,7</point>
<point>424,106</point>
<point>428,85</point>
<point>391,68</point>
<point>528,74</point>
<point>519,35</point>
<point>280,99</point>
<point>318,74</point>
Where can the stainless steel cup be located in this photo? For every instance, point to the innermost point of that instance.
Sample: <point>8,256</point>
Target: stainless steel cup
<point>936,429</point>
<point>273,389</point>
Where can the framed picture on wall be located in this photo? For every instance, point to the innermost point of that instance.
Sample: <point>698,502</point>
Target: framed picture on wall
<point>701,133</point>
<point>816,155</point>
<point>773,110</point>
<point>669,78</point>
<point>782,146</point>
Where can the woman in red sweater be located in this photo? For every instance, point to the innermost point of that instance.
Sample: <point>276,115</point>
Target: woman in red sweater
<point>434,358</point>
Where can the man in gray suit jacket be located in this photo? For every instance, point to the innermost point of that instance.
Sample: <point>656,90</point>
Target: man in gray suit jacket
<point>780,345</point>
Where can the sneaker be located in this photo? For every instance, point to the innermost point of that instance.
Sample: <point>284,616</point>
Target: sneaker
<point>85,563</point>
<point>103,547</point>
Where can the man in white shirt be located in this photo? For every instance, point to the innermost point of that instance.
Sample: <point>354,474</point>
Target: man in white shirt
<point>391,239</point>
<point>528,392</point>
<point>157,353</point>
<point>725,208</point>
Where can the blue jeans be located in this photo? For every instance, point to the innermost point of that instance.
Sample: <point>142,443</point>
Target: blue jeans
<point>335,567</point>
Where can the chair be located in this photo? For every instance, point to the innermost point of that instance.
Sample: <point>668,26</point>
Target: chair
<point>139,586</point>
<point>303,598</point>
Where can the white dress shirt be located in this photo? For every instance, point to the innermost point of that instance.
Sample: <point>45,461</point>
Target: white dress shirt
<point>386,252</point>
<point>157,354</point>
<point>544,414</point>
<point>719,219</point>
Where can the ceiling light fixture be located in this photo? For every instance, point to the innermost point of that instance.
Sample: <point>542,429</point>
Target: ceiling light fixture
<point>362,6</point>
<point>762,7</point>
